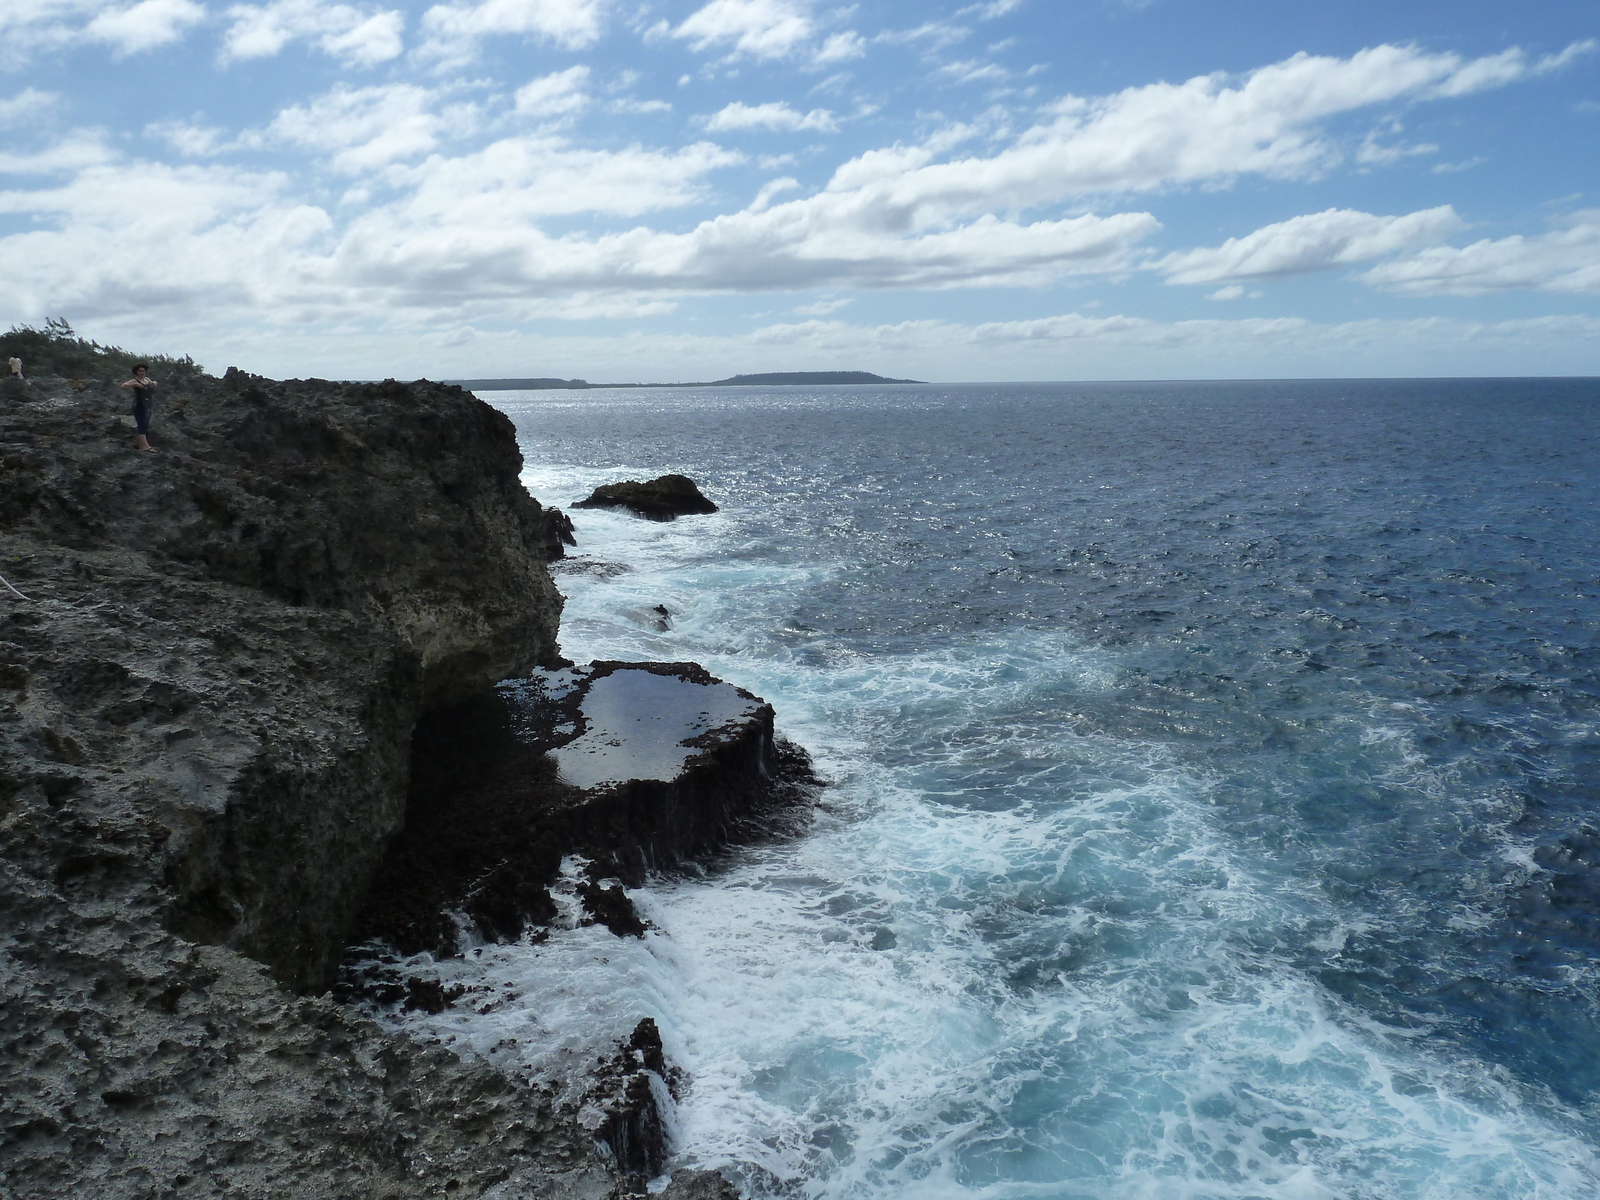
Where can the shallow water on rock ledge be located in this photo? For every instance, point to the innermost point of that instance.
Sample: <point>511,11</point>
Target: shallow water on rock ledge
<point>1211,769</point>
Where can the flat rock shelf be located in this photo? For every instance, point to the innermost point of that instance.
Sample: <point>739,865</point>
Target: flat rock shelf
<point>633,766</point>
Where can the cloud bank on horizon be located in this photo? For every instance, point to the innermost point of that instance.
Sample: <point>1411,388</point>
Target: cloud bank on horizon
<point>1012,189</point>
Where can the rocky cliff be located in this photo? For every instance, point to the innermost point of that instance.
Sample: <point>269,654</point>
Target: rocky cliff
<point>206,705</point>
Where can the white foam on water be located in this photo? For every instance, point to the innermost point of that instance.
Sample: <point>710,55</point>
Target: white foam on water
<point>1006,961</point>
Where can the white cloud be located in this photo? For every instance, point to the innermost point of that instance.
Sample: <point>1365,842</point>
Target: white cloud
<point>191,141</point>
<point>841,46</point>
<point>936,35</point>
<point>30,26</point>
<point>1508,66</point>
<point>1376,154</point>
<point>759,28</point>
<point>973,71</point>
<point>1314,242</point>
<point>429,231</point>
<point>363,128</point>
<point>453,31</point>
<point>822,307</point>
<point>1564,260</point>
<point>776,115</point>
<point>990,11</point>
<point>27,105</point>
<point>145,25</point>
<point>1211,129</point>
<point>554,95</point>
<point>773,187</point>
<point>493,194</point>
<point>358,36</point>
<point>77,151</point>
<point>822,241</point>
<point>223,239</point>
<point>628,104</point>
<point>1232,292</point>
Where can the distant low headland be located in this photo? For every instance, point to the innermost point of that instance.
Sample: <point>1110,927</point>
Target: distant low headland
<point>768,379</point>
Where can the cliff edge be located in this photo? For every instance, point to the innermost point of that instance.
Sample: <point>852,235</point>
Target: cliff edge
<point>207,699</point>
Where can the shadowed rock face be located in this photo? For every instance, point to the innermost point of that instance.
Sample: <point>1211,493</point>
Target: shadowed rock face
<point>206,708</point>
<point>632,765</point>
<point>663,499</point>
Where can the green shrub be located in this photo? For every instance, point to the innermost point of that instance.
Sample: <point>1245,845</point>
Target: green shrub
<point>58,350</point>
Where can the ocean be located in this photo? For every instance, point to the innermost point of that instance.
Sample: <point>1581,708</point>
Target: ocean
<point>1213,787</point>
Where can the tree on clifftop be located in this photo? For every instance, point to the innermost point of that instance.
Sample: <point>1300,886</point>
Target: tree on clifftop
<point>58,350</point>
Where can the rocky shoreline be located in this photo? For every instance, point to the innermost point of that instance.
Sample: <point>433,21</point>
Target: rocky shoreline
<point>241,670</point>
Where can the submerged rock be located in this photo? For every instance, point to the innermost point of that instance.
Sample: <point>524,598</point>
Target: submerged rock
<point>663,499</point>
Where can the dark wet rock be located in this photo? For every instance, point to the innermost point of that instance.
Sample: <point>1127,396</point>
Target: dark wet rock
<point>559,533</point>
<point>624,1107</point>
<point>655,616</point>
<point>634,766</point>
<point>595,567</point>
<point>206,712</point>
<point>699,1185</point>
<point>661,499</point>
<point>608,905</point>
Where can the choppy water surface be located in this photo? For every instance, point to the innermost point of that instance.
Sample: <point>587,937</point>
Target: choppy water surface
<point>1213,767</point>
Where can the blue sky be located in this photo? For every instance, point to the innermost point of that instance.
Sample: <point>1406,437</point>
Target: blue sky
<point>1011,189</point>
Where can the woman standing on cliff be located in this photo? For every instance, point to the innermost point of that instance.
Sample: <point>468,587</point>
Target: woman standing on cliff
<point>144,391</point>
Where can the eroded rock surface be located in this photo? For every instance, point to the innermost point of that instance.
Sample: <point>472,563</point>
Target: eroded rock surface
<point>662,499</point>
<point>206,707</point>
<point>634,766</point>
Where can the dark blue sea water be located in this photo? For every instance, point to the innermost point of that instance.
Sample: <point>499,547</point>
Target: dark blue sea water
<point>1215,786</point>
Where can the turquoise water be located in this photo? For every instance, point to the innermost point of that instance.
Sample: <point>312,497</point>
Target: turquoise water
<point>1213,787</point>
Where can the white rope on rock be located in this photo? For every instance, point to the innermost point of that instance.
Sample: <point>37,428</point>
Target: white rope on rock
<point>13,590</point>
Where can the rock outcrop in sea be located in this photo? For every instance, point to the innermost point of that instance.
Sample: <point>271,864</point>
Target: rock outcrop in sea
<point>210,692</point>
<point>664,498</point>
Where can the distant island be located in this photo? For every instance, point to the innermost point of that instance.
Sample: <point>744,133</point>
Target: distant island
<point>767,379</point>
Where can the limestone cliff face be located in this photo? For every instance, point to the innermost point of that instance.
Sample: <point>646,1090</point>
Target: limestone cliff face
<point>206,705</point>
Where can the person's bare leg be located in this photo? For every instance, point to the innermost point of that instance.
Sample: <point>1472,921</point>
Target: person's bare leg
<point>143,443</point>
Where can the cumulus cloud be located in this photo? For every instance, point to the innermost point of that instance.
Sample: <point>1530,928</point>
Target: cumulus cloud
<point>358,36</point>
<point>30,26</point>
<point>765,29</point>
<point>1211,128</point>
<point>778,115</point>
<point>838,47</point>
<point>235,232</point>
<point>431,228</point>
<point>759,28</point>
<point>453,31</point>
<point>145,25</point>
<point>1314,242</point>
<point>555,95</point>
<point>363,128</point>
<point>1564,260</point>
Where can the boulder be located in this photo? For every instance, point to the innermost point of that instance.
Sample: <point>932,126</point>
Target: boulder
<point>662,499</point>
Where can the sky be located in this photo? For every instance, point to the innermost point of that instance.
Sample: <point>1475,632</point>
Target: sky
<point>621,190</point>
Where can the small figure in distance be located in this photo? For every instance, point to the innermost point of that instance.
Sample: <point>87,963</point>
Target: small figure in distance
<point>144,390</point>
<point>14,365</point>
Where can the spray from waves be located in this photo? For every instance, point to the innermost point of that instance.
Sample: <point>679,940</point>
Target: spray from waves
<point>1008,961</point>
